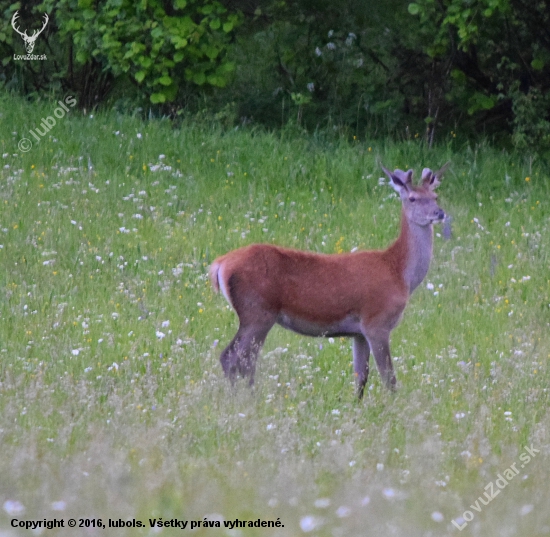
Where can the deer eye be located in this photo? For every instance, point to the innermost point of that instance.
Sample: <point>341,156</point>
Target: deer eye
<point>412,198</point>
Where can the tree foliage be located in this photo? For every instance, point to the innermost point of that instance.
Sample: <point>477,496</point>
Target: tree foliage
<point>496,55</point>
<point>412,68</point>
<point>159,46</point>
<point>325,63</point>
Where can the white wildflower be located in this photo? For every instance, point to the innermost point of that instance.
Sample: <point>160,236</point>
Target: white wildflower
<point>309,523</point>
<point>59,506</point>
<point>526,509</point>
<point>13,507</point>
<point>343,511</point>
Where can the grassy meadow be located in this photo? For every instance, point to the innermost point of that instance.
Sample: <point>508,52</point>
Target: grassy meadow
<point>113,403</point>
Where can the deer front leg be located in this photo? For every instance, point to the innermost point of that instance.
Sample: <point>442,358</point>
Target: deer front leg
<point>379,341</point>
<point>361,352</point>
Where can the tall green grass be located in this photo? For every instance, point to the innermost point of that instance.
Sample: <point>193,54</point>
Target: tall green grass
<point>112,399</point>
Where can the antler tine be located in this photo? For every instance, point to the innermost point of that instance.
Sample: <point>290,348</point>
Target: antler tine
<point>13,19</point>
<point>46,19</point>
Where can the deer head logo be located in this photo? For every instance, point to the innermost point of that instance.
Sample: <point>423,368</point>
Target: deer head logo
<point>29,40</point>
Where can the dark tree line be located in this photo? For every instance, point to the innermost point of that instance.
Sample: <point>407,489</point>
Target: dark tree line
<point>394,67</point>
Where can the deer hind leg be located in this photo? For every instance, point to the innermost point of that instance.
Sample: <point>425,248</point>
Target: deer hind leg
<point>255,321</point>
<point>239,357</point>
<point>379,341</point>
<point>361,352</point>
<point>229,358</point>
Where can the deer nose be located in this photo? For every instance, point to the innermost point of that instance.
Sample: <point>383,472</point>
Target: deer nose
<point>440,214</point>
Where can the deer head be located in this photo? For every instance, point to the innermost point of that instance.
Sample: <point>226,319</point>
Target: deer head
<point>419,202</point>
<point>29,40</point>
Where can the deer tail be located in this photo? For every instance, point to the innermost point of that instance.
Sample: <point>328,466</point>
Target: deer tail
<point>214,279</point>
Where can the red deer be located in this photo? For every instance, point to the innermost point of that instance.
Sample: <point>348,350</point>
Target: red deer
<point>360,294</point>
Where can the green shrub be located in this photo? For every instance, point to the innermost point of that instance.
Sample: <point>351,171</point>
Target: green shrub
<point>160,48</point>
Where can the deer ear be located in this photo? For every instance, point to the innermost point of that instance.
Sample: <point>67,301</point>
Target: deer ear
<point>433,180</point>
<point>386,171</point>
<point>403,180</point>
<point>399,180</point>
<point>427,176</point>
<point>407,176</point>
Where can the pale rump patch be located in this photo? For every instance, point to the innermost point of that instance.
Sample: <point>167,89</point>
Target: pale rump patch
<point>223,285</point>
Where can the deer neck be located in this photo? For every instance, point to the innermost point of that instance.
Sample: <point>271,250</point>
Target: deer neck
<point>412,252</point>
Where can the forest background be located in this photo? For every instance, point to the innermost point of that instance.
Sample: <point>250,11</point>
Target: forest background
<point>430,68</point>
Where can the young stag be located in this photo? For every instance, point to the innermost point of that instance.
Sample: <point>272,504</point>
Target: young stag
<point>360,295</point>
